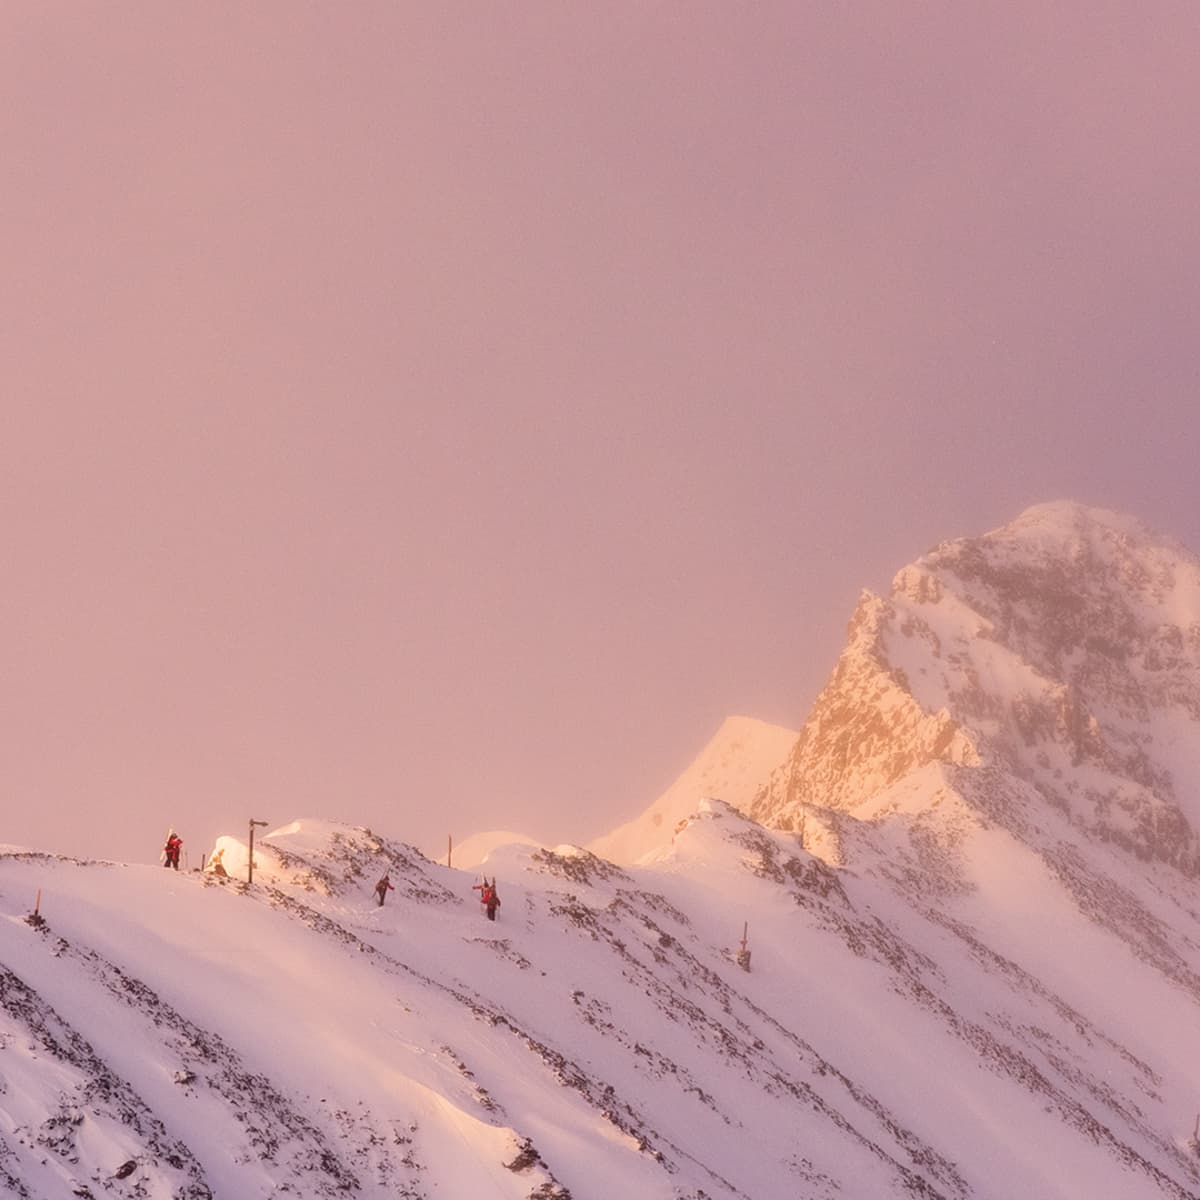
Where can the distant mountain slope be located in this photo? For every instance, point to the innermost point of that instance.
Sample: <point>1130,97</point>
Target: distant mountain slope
<point>733,767</point>
<point>471,852</point>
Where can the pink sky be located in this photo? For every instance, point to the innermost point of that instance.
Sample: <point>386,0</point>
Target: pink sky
<point>440,416</point>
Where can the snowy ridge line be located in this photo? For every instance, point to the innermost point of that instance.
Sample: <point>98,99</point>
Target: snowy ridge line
<point>101,1089</point>
<point>22,855</point>
<point>346,853</point>
<point>582,867</point>
<point>732,766</point>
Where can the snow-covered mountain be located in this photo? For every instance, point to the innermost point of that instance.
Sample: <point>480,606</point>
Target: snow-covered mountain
<point>1062,651</point>
<point>974,934</point>
<point>733,767</point>
<point>199,1037</point>
<point>469,854</point>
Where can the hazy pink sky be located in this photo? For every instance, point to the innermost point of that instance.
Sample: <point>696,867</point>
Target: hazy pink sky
<point>440,416</point>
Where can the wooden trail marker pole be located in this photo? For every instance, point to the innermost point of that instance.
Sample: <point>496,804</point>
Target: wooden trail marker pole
<point>449,848</point>
<point>743,955</point>
<point>35,918</point>
<point>250,867</point>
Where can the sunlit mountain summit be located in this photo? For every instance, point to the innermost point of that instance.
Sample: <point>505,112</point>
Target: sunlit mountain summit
<point>1052,663</point>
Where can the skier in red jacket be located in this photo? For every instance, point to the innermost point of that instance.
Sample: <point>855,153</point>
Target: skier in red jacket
<point>171,850</point>
<point>382,888</point>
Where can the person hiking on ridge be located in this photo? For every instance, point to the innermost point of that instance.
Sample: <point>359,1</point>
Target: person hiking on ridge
<point>382,888</point>
<point>171,850</point>
<point>490,899</point>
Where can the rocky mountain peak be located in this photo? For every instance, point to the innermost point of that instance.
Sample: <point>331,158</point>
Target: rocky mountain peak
<point>1062,649</point>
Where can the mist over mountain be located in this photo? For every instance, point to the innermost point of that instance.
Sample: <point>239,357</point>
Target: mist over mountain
<point>969,892</point>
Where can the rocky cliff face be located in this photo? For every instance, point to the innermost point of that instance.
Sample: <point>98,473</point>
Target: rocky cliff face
<point>1061,652</point>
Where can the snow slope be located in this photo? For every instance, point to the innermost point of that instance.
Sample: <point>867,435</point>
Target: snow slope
<point>597,1040</point>
<point>733,767</point>
<point>475,850</point>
